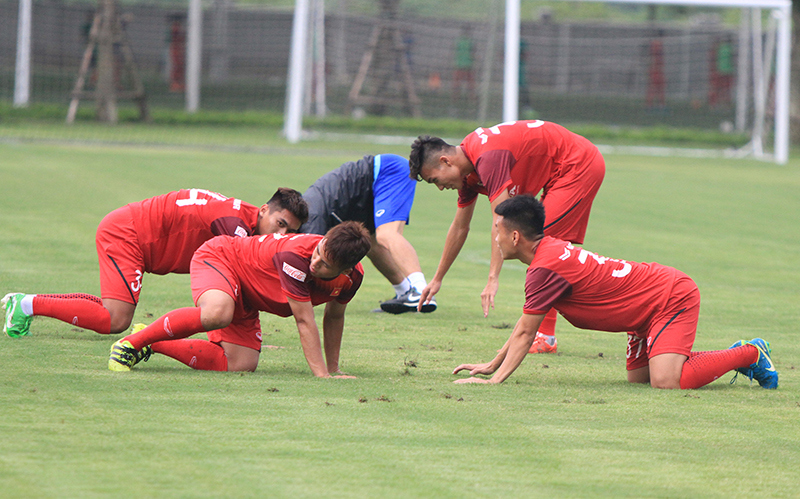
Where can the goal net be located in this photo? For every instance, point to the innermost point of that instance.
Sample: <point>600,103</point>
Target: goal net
<point>716,66</point>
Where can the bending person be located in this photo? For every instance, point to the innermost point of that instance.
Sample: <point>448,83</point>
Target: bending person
<point>503,161</point>
<point>657,305</point>
<point>158,236</point>
<point>233,279</point>
<point>377,192</point>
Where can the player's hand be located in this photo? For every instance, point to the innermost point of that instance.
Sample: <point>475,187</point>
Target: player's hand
<point>428,293</point>
<point>472,381</point>
<point>487,297</point>
<point>475,368</point>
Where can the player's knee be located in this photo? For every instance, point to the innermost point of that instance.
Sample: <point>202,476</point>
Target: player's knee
<point>665,382</point>
<point>241,359</point>
<point>215,317</point>
<point>119,323</point>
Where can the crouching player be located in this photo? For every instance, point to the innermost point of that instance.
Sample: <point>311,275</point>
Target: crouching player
<point>234,278</point>
<point>657,305</point>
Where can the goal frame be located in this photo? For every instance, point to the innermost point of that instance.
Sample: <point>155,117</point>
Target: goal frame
<point>781,15</point>
<point>778,47</point>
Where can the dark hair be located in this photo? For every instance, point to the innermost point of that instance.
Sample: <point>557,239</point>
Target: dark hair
<point>423,151</point>
<point>290,200</point>
<point>347,244</point>
<point>523,213</point>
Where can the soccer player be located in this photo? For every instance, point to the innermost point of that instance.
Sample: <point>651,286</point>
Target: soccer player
<point>376,191</point>
<point>234,278</point>
<point>503,161</point>
<point>158,235</point>
<point>657,305</point>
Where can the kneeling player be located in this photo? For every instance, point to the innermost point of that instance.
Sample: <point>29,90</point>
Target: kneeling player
<point>234,278</point>
<point>657,305</point>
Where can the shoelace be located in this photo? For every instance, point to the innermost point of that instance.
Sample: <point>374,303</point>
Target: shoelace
<point>733,380</point>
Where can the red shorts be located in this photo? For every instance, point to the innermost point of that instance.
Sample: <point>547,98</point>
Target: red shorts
<point>210,272</point>
<point>672,330</point>
<point>120,257</point>
<point>568,202</point>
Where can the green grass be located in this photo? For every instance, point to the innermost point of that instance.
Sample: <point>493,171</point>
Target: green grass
<point>562,426</point>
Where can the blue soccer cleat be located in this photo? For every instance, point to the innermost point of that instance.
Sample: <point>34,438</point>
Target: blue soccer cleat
<point>763,370</point>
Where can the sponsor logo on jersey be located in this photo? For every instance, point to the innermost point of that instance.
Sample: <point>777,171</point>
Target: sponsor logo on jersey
<point>294,273</point>
<point>240,231</point>
<point>513,191</point>
<point>380,212</point>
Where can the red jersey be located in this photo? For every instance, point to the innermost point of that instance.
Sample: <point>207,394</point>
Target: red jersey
<point>524,157</point>
<point>595,292</point>
<point>272,267</point>
<point>172,226</point>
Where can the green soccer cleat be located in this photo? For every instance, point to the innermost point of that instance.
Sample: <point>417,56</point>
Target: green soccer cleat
<point>123,356</point>
<point>17,323</point>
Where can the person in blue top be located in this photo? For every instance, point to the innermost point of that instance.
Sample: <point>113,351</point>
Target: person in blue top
<point>378,192</point>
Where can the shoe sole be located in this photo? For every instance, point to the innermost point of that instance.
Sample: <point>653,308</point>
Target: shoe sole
<point>115,366</point>
<point>401,308</point>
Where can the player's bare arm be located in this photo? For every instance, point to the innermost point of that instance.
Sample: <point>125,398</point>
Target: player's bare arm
<point>496,263</point>
<point>512,353</point>
<point>456,236</point>
<point>303,313</point>
<point>332,330</point>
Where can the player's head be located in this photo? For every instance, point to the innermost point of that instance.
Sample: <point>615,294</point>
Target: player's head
<point>340,250</point>
<point>285,212</point>
<point>520,216</point>
<point>431,160</point>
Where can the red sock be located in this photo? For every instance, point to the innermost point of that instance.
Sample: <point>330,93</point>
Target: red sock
<point>78,309</point>
<point>195,353</point>
<point>704,367</point>
<point>548,325</point>
<point>175,325</point>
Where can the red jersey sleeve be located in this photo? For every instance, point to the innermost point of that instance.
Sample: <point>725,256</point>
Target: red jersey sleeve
<point>294,274</point>
<point>543,287</point>
<point>494,169</point>
<point>230,226</point>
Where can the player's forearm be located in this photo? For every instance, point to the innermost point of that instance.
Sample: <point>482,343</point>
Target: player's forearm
<point>456,236</point>
<point>516,349</point>
<point>312,348</point>
<point>332,331</point>
<point>496,263</point>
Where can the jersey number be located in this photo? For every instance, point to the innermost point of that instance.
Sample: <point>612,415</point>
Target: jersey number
<point>583,255</point>
<point>193,200</point>
<point>496,129</point>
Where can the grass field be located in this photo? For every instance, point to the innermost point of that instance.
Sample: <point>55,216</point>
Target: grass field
<point>567,425</point>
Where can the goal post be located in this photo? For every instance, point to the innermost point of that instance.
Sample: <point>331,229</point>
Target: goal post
<point>578,71</point>
<point>781,15</point>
